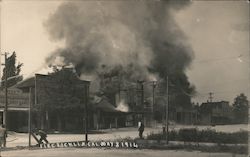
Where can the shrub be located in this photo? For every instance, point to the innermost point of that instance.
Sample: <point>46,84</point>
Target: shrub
<point>173,135</point>
<point>208,135</point>
<point>188,134</point>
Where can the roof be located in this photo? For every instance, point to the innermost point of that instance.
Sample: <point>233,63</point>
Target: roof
<point>30,82</point>
<point>15,109</point>
<point>208,106</point>
<point>104,105</point>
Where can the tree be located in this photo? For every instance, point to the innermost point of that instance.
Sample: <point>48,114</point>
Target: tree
<point>240,108</point>
<point>13,70</point>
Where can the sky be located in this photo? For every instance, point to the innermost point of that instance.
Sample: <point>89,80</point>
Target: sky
<point>218,32</point>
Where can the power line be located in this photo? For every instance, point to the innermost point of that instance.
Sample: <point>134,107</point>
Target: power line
<point>198,94</point>
<point>226,82</point>
<point>239,58</point>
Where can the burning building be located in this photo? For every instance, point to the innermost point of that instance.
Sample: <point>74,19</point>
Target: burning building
<point>120,46</point>
<point>118,43</point>
<point>146,101</point>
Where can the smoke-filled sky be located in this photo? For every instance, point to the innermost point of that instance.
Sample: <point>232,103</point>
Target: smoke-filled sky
<point>206,40</point>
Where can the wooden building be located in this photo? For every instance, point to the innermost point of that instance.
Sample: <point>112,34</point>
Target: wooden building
<point>212,113</point>
<point>18,107</point>
<point>59,101</point>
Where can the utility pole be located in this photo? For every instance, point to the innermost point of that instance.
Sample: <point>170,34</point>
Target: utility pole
<point>154,85</point>
<point>6,91</point>
<point>153,104</point>
<point>29,121</point>
<point>210,97</point>
<point>141,90</point>
<point>119,88</point>
<point>86,112</point>
<point>167,109</point>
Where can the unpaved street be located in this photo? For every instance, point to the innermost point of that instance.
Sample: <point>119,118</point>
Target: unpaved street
<point>86,152</point>
<point>21,139</point>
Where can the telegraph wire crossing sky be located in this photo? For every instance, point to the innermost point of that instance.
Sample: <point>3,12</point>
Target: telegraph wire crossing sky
<point>218,33</point>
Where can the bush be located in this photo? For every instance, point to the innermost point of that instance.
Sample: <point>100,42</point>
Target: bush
<point>188,134</point>
<point>173,135</point>
<point>158,136</point>
<point>208,135</point>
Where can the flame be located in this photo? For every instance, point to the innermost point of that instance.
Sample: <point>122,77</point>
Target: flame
<point>152,77</point>
<point>122,106</point>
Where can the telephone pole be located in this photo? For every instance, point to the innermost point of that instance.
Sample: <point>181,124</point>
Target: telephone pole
<point>86,111</point>
<point>167,108</point>
<point>29,120</point>
<point>153,104</point>
<point>6,90</point>
<point>141,91</point>
<point>210,97</point>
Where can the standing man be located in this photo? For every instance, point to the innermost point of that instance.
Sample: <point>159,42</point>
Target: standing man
<point>141,129</point>
<point>3,136</point>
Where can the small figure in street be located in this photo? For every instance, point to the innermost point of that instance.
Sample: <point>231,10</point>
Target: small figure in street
<point>3,136</point>
<point>141,129</point>
<point>43,136</point>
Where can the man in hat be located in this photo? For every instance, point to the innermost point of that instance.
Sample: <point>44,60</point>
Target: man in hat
<point>3,135</point>
<point>141,129</point>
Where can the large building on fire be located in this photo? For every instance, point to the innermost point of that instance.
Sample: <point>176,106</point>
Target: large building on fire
<point>58,103</point>
<point>146,101</point>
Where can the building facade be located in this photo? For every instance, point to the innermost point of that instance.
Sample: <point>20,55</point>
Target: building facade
<point>17,109</point>
<point>213,113</point>
<point>58,101</point>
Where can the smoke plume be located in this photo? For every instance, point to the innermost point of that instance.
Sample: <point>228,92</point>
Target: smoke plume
<point>139,39</point>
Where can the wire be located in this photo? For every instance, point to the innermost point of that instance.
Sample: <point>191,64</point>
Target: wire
<point>198,94</point>
<point>239,58</point>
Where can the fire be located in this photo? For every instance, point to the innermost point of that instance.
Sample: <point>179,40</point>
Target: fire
<point>152,77</point>
<point>122,106</point>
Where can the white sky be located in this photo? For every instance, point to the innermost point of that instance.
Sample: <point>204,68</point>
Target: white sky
<point>217,31</point>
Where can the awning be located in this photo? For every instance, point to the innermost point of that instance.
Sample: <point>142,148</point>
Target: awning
<point>15,109</point>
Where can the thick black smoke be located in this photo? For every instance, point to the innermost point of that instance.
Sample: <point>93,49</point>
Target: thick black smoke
<point>139,38</point>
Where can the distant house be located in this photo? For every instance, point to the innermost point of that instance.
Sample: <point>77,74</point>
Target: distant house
<point>180,112</point>
<point>216,113</point>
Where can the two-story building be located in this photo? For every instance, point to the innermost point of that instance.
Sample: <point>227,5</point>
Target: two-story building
<point>216,113</point>
<point>17,109</point>
<point>58,101</point>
